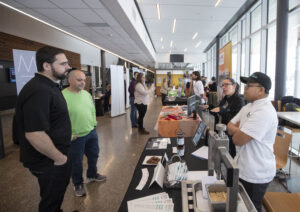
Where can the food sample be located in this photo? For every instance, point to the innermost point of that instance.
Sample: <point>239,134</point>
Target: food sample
<point>218,196</point>
<point>153,160</point>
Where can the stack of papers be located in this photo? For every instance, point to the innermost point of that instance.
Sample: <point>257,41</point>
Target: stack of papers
<point>158,143</point>
<point>152,203</point>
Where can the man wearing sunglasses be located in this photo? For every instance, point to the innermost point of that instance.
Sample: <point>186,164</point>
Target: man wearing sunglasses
<point>253,131</point>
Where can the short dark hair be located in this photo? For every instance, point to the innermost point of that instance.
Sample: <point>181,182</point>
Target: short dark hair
<point>46,54</point>
<point>213,79</point>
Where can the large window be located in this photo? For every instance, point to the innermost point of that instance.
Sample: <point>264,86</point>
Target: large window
<point>253,40</point>
<point>292,88</point>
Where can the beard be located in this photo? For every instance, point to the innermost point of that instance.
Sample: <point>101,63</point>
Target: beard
<point>57,75</point>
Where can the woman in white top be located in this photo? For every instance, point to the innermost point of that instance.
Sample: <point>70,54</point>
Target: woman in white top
<point>164,90</point>
<point>197,85</point>
<point>141,95</point>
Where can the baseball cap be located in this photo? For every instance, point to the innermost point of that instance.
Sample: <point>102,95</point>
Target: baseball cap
<point>260,78</point>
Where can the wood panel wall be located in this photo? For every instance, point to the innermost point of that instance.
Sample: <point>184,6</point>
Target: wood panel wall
<point>9,42</point>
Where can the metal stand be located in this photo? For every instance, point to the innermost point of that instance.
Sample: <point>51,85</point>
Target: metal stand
<point>229,170</point>
<point>214,142</point>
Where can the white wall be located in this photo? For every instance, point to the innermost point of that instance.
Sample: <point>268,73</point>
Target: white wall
<point>15,23</point>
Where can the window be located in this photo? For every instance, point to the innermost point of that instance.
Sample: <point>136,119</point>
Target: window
<point>272,10</point>
<point>234,63</point>
<point>255,53</point>
<point>233,35</point>
<point>243,28</point>
<point>271,56</point>
<point>256,19</point>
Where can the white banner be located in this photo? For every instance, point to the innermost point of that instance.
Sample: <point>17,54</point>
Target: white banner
<point>117,90</point>
<point>25,67</point>
<point>127,86</point>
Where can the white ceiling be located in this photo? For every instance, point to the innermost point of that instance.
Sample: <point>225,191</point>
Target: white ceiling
<point>192,16</point>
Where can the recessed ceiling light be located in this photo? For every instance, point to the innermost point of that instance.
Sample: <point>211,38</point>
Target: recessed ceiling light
<point>218,2</point>
<point>185,49</point>
<point>161,39</point>
<point>174,25</point>
<point>162,47</point>
<point>195,35</point>
<point>158,11</point>
<point>198,44</point>
<point>171,43</point>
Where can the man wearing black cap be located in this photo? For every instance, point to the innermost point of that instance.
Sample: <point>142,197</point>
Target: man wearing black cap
<point>253,131</point>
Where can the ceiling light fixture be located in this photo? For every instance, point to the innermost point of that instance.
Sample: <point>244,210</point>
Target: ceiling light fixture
<point>174,25</point>
<point>195,35</point>
<point>198,44</point>
<point>161,39</point>
<point>171,44</point>
<point>218,2</point>
<point>162,47</point>
<point>75,36</point>
<point>158,11</point>
<point>185,49</point>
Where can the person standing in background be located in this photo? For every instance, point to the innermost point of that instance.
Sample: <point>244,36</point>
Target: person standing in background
<point>229,106</point>
<point>84,134</point>
<point>133,115</point>
<point>44,128</point>
<point>141,94</point>
<point>187,90</point>
<point>197,86</point>
<point>164,90</point>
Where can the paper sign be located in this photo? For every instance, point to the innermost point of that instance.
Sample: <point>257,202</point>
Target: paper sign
<point>158,175</point>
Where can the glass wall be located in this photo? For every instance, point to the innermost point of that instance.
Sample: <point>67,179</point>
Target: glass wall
<point>253,40</point>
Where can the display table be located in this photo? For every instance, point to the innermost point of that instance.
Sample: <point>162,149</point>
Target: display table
<point>193,163</point>
<point>293,117</point>
<point>170,127</point>
<point>177,101</point>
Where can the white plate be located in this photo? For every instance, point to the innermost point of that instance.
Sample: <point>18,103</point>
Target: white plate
<point>148,157</point>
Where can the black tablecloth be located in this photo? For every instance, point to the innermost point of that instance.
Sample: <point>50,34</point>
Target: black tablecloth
<point>193,163</point>
<point>178,101</point>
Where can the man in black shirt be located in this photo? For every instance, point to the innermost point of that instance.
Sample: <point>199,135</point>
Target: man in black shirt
<point>44,128</point>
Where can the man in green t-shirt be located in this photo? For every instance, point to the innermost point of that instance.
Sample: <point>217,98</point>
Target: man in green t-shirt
<point>84,135</point>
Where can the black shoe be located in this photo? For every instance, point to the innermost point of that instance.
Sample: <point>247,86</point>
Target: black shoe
<point>144,132</point>
<point>135,126</point>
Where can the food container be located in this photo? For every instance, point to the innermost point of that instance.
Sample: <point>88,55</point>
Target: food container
<point>216,205</point>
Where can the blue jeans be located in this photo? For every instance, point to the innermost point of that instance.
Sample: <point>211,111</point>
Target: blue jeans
<point>87,145</point>
<point>133,116</point>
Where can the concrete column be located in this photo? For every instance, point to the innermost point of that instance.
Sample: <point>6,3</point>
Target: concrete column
<point>281,48</point>
<point>102,70</point>
<point>217,58</point>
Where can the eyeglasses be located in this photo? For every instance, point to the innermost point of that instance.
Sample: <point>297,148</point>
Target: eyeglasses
<point>249,86</point>
<point>226,84</point>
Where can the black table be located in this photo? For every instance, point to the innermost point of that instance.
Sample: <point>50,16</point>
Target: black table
<point>177,101</point>
<point>193,163</point>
